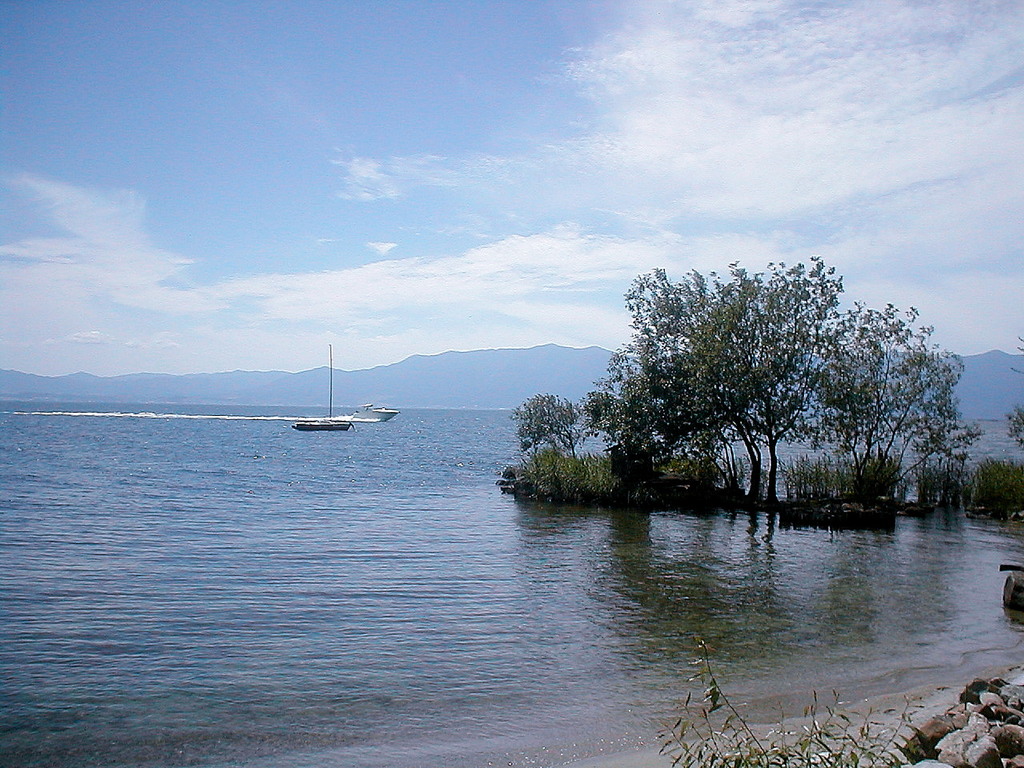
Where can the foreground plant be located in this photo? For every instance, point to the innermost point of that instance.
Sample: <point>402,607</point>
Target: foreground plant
<point>713,734</point>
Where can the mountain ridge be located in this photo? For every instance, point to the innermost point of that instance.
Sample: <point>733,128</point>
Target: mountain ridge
<point>488,378</point>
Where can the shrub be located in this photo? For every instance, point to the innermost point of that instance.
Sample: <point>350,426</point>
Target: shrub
<point>713,734</point>
<point>997,487</point>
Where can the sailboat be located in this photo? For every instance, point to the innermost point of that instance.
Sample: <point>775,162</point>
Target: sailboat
<point>329,423</point>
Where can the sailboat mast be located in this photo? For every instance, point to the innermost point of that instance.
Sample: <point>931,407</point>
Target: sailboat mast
<point>330,380</point>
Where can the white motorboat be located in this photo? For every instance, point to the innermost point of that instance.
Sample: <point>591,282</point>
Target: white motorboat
<point>368,413</point>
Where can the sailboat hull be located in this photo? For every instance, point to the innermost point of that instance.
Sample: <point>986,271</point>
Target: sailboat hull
<point>329,424</point>
<point>322,425</point>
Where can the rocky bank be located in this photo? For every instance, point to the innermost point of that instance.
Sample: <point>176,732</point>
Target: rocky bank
<point>985,729</point>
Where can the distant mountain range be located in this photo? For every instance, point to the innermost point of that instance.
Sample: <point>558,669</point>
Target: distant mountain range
<point>491,378</point>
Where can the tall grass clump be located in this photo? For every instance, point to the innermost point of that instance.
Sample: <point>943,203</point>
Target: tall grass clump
<point>551,475</point>
<point>997,487</point>
<point>941,482</point>
<point>813,479</point>
<point>827,477</point>
<point>713,734</point>
<point>878,477</point>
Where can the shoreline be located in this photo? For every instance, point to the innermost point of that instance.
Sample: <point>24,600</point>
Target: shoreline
<point>885,711</point>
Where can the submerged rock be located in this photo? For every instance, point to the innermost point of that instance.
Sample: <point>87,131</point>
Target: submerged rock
<point>1013,591</point>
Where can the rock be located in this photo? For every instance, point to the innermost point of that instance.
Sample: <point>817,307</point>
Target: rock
<point>983,753</point>
<point>971,694</point>
<point>953,747</point>
<point>1009,740</point>
<point>1013,695</point>
<point>958,716</point>
<point>978,724</point>
<point>1014,762</point>
<point>1002,714</point>
<point>1013,591</point>
<point>931,732</point>
<point>989,699</point>
<point>933,764</point>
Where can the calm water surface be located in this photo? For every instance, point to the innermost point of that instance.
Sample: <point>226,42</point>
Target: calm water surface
<point>209,592</point>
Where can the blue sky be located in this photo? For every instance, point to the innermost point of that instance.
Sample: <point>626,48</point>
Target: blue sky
<point>214,186</point>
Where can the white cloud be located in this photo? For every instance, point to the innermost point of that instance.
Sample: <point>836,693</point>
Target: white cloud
<point>521,279</point>
<point>774,109</point>
<point>366,179</point>
<point>89,337</point>
<point>382,249</point>
<point>103,255</point>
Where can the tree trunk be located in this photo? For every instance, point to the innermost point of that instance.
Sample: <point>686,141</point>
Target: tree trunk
<point>754,492</point>
<point>754,454</point>
<point>773,471</point>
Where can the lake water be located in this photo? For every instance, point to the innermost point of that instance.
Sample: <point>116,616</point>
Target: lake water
<point>214,592</point>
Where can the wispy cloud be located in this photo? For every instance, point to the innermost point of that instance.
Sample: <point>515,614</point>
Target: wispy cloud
<point>524,280</point>
<point>773,109</point>
<point>366,179</point>
<point>103,253</point>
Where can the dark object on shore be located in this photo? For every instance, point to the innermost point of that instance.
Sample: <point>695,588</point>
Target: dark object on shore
<point>1013,588</point>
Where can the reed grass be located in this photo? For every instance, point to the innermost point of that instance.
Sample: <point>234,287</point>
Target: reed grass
<point>553,476</point>
<point>942,482</point>
<point>712,733</point>
<point>997,487</point>
<point>815,478</point>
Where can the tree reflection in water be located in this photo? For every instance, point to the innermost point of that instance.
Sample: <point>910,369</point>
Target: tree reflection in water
<point>781,609</point>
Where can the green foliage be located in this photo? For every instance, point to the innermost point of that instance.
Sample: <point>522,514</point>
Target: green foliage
<point>738,359</point>
<point>939,482</point>
<point>997,487</point>
<point>755,359</point>
<point>888,400</point>
<point>549,474</point>
<point>1016,418</point>
<point>549,420</point>
<point>713,734</point>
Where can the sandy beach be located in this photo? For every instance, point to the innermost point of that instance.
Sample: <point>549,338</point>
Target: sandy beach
<point>885,711</point>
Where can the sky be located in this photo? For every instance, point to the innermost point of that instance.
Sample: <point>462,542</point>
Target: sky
<point>211,186</point>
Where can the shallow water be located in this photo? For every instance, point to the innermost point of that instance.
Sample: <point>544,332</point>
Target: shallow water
<point>231,592</point>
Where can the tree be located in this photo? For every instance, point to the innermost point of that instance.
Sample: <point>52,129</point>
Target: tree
<point>1016,417</point>
<point>549,420</point>
<point>889,393</point>
<point>739,359</point>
